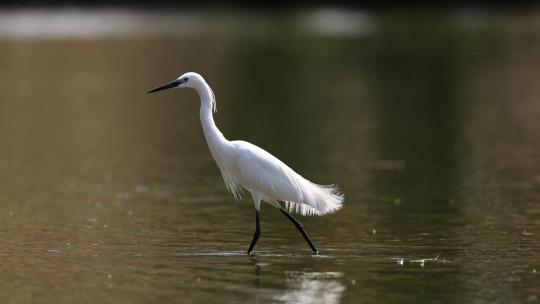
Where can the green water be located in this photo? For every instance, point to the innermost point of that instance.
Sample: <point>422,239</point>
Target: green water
<point>429,128</point>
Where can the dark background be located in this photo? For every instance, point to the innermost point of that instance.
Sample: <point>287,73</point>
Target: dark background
<point>384,4</point>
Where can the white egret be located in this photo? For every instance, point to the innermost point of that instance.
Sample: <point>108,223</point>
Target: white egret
<point>246,166</point>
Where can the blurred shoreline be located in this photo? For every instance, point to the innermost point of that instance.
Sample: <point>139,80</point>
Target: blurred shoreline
<point>129,22</point>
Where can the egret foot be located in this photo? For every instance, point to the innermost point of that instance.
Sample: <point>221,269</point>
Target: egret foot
<point>301,229</point>
<point>256,234</point>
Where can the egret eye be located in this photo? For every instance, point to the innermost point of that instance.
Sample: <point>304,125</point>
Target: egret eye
<point>185,79</point>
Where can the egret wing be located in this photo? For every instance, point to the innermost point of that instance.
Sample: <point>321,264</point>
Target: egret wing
<point>262,172</point>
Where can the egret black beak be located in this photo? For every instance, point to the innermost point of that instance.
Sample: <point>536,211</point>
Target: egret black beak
<point>172,84</point>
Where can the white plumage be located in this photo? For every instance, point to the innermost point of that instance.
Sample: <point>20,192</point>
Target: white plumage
<point>259,171</point>
<point>246,166</point>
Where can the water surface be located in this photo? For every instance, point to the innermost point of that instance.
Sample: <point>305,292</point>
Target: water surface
<point>427,121</point>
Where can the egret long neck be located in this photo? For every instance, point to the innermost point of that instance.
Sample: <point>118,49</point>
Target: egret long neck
<point>215,139</point>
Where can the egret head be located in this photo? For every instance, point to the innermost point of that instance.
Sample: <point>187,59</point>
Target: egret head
<point>188,80</point>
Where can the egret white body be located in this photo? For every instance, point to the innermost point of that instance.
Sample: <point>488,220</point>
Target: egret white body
<point>246,166</point>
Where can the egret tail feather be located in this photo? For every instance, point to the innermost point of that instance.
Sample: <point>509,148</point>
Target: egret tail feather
<point>324,199</point>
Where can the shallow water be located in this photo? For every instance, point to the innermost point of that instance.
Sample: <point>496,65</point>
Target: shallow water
<point>428,123</point>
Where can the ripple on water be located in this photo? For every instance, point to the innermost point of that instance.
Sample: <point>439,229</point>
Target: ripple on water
<point>55,250</point>
<point>243,254</point>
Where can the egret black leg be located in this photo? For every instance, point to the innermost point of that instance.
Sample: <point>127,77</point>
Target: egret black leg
<point>257,232</point>
<point>301,229</point>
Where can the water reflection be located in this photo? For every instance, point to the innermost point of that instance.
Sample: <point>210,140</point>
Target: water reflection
<point>430,84</point>
<point>428,127</point>
<point>312,287</point>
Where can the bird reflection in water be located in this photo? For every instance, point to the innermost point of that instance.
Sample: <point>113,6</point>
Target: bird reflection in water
<point>312,287</point>
<point>303,287</point>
